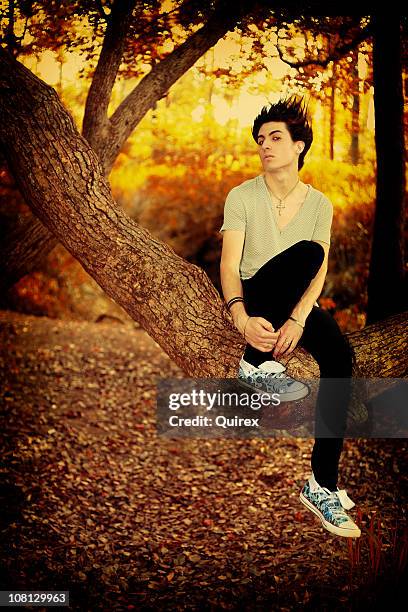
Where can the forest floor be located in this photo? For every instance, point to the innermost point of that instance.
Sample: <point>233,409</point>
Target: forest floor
<point>95,502</point>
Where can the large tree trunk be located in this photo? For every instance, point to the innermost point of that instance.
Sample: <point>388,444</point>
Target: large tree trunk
<point>61,177</point>
<point>386,291</point>
<point>107,135</point>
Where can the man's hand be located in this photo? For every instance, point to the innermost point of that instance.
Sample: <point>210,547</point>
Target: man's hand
<point>260,334</point>
<point>289,335</point>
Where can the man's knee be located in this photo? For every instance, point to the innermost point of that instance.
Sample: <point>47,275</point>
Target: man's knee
<point>312,249</point>
<point>317,251</point>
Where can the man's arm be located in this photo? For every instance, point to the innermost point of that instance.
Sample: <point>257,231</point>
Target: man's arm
<point>233,242</point>
<point>259,332</point>
<point>306,302</point>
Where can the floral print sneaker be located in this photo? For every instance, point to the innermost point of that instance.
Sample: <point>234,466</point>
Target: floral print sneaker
<point>269,377</point>
<point>330,507</point>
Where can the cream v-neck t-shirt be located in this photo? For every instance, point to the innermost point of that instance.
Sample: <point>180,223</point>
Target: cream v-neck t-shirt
<point>249,207</point>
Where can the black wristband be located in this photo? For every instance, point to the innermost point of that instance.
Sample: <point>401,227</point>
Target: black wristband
<point>233,300</point>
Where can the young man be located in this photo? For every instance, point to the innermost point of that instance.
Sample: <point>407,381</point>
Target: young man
<point>273,265</point>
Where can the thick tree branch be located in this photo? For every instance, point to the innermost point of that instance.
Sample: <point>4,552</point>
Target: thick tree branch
<point>96,122</point>
<point>101,9</point>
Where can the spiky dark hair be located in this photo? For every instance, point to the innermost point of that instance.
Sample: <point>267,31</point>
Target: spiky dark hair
<point>293,112</point>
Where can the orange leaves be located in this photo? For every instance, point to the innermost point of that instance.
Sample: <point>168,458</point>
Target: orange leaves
<point>327,303</point>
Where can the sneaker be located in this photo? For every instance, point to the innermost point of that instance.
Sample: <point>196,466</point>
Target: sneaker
<point>269,377</point>
<point>329,506</point>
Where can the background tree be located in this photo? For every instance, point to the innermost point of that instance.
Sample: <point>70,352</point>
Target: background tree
<point>387,287</point>
<point>355,109</point>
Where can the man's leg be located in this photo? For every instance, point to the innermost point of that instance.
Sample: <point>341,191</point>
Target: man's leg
<point>278,285</point>
<point>323,339</point>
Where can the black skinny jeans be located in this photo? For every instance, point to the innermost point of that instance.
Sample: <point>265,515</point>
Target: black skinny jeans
<point>272,293</point>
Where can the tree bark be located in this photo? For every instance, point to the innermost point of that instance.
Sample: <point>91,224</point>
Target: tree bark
<point>108,135</point>
<point>173,300</point>
<point>25,249</point>
<point>96,124</point>
<point>387,291</point>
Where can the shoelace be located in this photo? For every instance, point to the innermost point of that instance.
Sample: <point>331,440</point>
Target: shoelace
<point>277,375</point>
<point>333,504</point>
<point>266,375</point>
<point>286,382</point>
<point>342,497</point>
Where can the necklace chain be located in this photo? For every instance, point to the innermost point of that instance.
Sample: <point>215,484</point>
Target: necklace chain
<point>281,200</point>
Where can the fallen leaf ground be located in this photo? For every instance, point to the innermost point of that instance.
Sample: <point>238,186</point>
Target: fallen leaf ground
<point>95,502</point>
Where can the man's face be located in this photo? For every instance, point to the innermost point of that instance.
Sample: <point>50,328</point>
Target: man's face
<point>276,147</point>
